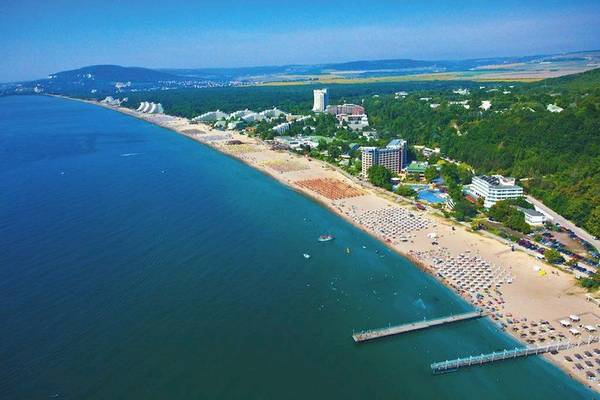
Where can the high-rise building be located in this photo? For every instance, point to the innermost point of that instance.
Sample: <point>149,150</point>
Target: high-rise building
<point>401,145</point>
<point>393,156</point>
<point>321,100</point>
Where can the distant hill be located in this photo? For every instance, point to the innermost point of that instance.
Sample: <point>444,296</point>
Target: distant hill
<point>112,73</point>
<point>242,73</point>
<point>409,64</point>
<point>568,62</point>
<point>113,80</point>
<point>370,65</point>
<point>99,81</point>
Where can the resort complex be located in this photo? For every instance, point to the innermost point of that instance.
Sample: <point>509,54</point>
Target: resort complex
<point>417,168</point>
<point>242,118</point>
<point>150,108</point>
<point>349,115</point>
<point>109,100</point>
<point>494,188</point>
<point>212,116</point>
<point>392,157</point>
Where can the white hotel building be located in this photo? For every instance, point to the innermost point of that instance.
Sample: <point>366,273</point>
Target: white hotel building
<point>494,188</point>
<point>533,217</point>
<point>321,99</point>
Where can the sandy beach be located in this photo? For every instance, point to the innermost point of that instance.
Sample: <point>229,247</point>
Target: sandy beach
<point>525,296</point>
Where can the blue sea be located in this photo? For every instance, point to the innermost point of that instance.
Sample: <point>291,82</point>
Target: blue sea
<point>138,264</point>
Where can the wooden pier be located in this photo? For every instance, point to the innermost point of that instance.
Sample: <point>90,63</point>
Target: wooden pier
<point>414,326</point>
<point>453,365</point>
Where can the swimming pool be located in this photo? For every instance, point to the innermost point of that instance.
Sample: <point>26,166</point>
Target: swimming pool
<point>431,196</point>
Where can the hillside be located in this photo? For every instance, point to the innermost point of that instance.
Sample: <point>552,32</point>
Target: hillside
<point>112,73</point>
<point>98,81</point>
<point>102,80</point>
<point>585,80</point>
<point>557,154</point>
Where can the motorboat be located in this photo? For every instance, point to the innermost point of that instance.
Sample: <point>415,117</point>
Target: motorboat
<point>325,238</point>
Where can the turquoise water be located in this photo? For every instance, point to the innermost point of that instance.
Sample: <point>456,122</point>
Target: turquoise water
<point>431,196</point>
<point>426,194</point>
<point>138,264</point>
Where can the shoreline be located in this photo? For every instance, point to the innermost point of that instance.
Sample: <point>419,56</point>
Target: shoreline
<point>455,241</point>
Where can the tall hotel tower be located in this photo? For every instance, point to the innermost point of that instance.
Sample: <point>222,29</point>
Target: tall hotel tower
<point>321,99</point>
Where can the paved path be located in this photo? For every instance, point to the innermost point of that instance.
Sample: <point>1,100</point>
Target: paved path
<point>453,365</point>
<point>413,326</point>
<point>565,222</point>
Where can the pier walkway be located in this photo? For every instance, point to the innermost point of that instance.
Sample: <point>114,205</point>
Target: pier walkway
<point>453,365</point>
<point>413,326</point>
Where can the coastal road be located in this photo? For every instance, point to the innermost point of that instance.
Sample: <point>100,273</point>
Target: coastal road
<point>565,222</point>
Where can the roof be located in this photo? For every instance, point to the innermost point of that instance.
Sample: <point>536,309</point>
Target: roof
<point>498,181</point>
<point>368,148</point>
<point>397,142</point>
<point>317,138</point>
<point>418,167</point>
<point>530,212</point>
<point>492,180</point>
<point>470,199</point>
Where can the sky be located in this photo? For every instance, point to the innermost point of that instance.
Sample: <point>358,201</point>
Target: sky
<point>42,37</point>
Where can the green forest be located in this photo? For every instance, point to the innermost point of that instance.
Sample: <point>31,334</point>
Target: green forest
<point>296,99</point>
<point>555,155</point>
